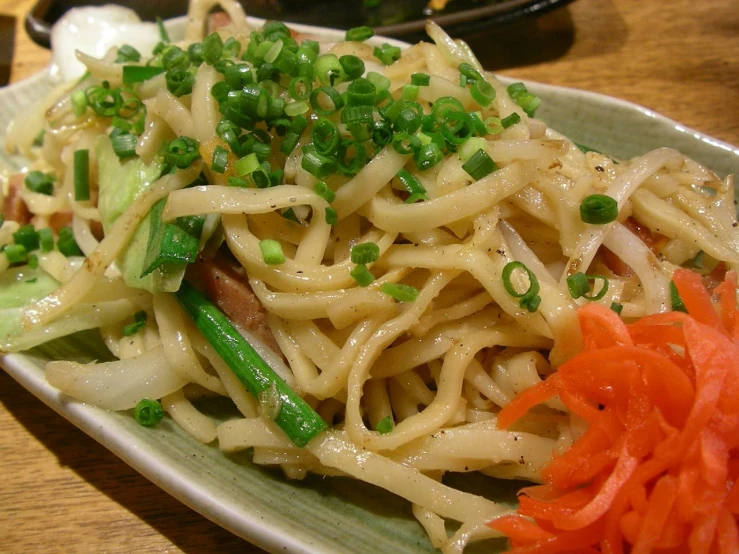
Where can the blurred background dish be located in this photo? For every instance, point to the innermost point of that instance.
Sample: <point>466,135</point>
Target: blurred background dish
<point>401,18</point>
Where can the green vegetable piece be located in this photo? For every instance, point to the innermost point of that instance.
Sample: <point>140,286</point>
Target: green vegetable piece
<point>296,418</point>
<point>385,425</point>
<point>168,243</point>
<point>148,412</point>
<point>138,324</point>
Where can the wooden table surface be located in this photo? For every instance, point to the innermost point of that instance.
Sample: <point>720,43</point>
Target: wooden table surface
<point>62,492</point>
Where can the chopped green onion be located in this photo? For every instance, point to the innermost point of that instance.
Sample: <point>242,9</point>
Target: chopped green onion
<point>380,81</point>
<point>400,292</point>
<point>300,88</point>
<point>179,81</point>
<point>409,92</point>
<point>325,136</point>
<point>232,47</point>
<point>361,92</point>
<point>182,152</point>
<point>123,143</point>
<point>271,252</point>
<point>471,145</point>
<point>296,108</point>
<point>493,125</point>
<point>322,190</point>
<point>148,412</point>
<point>359,34</point>
<point>365,253</point>
<point>162,30</point>
<point>445,105</point>
<point>81,170</point>
<point>579,286</point>
<point>168,242</point>
<point>308,51</point>
<point>598,209</point>
<point>382,133</point>
<point>617,307</point>
<point>385,425</point>
<point>405,143</point>
<point>137,73</point>
<point>212,48</point>
<point>479,165</point>
<point>408,121</point>
<point>246,165</point>
<point>412,185</point>
<point>138,324</point>
<point>521,96</point>
<point>362,275</point>
<point>27,237</point>
<point>337,102</point>
<point>66,243</point>
<point>127,53</point>
<point>79,103</point>
<point>238,182</point>
<point>329,70</point>
<point>675,301</point>
<point>332,217</point>
<point>42,183</point>
<point>510,120</point>
<point>420,79</point>
<point>428,156</point>
<point>530,297</point>
<point>16,253</point>
<point>220,159</point>
<point>482,92</point>
<point>316,163</point>
<point>456,127</point>
<point>46,239</point>
<point>296,418</point>
<point>353,66</point>
<point>386,53</point>
<point>33,261</point>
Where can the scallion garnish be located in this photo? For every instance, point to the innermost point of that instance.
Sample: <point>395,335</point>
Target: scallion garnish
<point>353,66</point>
<point>325,136</point>
<point>365,253</point>
<point>482,92</point>
<point>385,425</point>
<point>359,34</point>
<point>579,286</point>
<point>317,164</point>
<point>332,217</point>
<point>46,239</point>
<point>386,53</point>
<point>427,156</point>
<point>271,252</point>
<point>139,322</point>
<point>212,48</point>
<point>479,165</point>
<point>16,253</point>
<point>676,303</point>
<point>42,183</point>
<point>617,307</point>
<point>510,120</point>
<point>362,275</point>
<point>521,96</point>
<point>380,81</point>
<point>163,34</point>
<point>317,101</point>
<point>179,81</point>
<point>400,292</point>
<point>33,261</point>
<point>529,299</point>
<point>123,143</point>
<point>412,185</point>
<point>296,418</point>
<point>66,243</point>
<point>329,70</point>
<point>168,242</point>
<point>127,53</point>
<point>322,190</point>
<point>420,79</point>
<point>182,152</point>
<point>137,73</point>
<point>79,103</point>
<point>81,168</point>
<point>27,237</point>
<point>220,159</point>
<point>148,412</point>
<point>598,209</point>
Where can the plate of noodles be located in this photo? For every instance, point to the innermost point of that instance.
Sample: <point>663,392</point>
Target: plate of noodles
<point>328,289</point>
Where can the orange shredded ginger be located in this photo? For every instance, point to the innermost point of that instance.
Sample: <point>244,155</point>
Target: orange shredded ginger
<point>656,470</point>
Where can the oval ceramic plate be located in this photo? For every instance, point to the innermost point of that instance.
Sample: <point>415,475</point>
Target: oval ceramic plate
<point>319,515</point>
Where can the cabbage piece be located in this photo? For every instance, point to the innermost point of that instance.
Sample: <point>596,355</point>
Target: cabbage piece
<point>120,183</point>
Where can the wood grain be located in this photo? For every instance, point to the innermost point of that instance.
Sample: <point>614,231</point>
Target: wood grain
<point>62,492</point>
